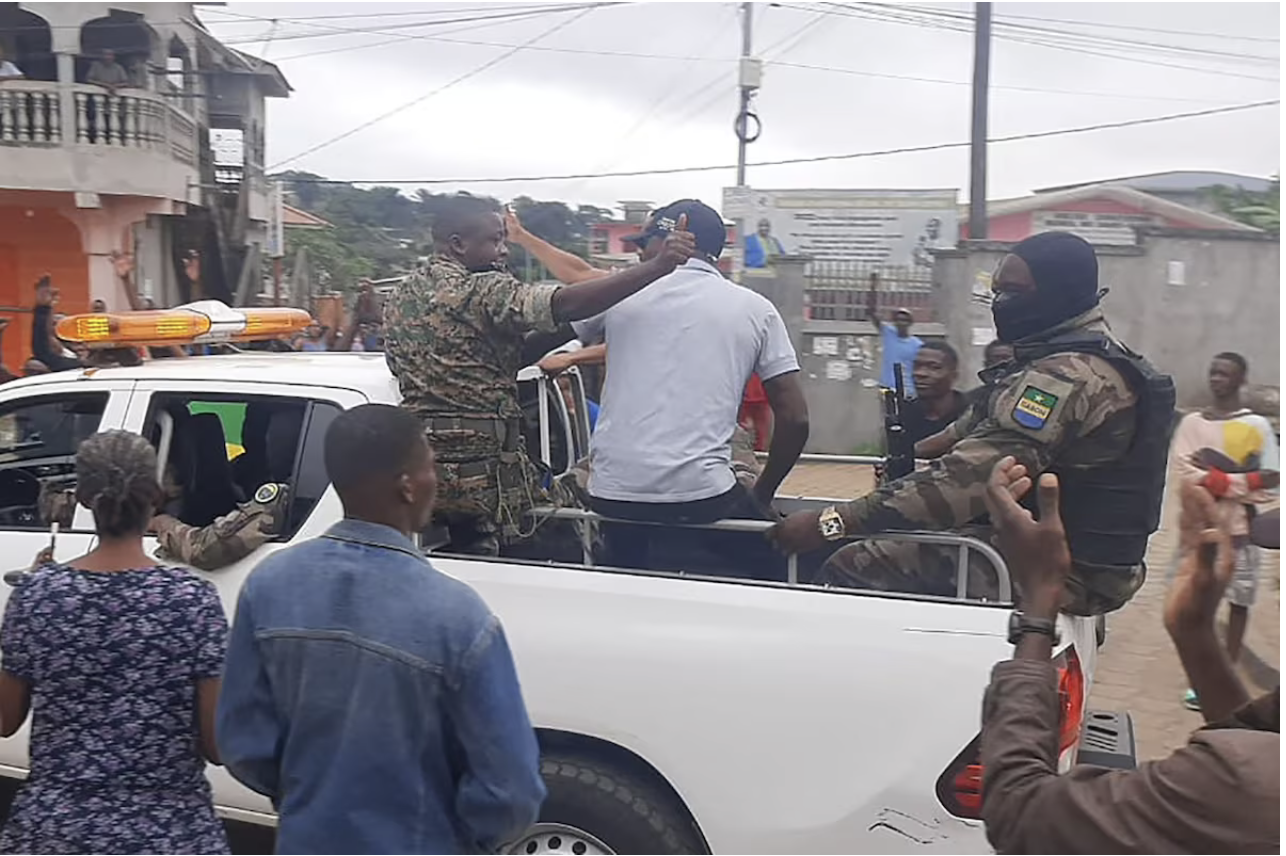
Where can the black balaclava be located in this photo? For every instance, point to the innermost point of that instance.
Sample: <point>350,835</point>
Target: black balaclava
<point>1065,271</point>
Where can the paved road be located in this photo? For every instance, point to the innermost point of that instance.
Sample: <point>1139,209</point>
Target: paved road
<point>1137,669</point>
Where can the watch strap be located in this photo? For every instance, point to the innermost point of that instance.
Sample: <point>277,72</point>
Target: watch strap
<point>1021,624</point>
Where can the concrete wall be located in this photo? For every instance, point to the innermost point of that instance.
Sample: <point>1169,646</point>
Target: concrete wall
<point>1178,297</point>
<point>839,363</point>
<point>1229,299</point>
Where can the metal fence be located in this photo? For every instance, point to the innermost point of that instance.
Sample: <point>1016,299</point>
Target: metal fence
<point>839,291</point>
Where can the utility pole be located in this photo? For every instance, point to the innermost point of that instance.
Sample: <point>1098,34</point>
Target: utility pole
<point>748,88</point>
<point>978,129</point>
<point>749,75</point>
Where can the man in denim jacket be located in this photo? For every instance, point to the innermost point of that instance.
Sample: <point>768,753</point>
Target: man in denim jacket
<point>372,698</point>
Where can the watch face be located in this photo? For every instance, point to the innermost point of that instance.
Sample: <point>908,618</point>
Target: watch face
<point>832,526</point>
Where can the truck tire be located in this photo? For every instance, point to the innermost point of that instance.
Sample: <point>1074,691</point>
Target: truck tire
<point>593,807</point>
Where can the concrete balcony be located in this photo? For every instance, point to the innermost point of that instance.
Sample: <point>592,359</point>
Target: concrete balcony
<point>77,138</point>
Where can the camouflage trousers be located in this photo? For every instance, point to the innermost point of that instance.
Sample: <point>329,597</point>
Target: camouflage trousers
<point>745,466</point>
<point>903,566</point>
<point>484,504</point>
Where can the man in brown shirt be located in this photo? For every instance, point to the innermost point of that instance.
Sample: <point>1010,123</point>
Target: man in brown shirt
<point>1218,794</point>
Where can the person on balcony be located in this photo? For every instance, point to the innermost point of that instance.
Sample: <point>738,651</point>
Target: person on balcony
<point>108,73</point>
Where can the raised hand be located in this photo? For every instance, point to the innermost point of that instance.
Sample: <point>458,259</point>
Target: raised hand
<point>680,245</point>
<point>1206,566</point>
<point>514,229</point>
<point>123,263</point>
<point>1035,550</point>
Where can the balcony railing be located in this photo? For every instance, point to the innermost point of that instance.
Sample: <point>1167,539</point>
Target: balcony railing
<point>29,114</point>
<point>40,114</point>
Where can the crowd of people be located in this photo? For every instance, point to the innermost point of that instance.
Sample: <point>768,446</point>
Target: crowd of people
<point>349,654</point>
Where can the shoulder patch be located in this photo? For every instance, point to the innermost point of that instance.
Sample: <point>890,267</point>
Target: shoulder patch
<point>267,493</point>
<point>1034,407</point>
<point>1033,403</point>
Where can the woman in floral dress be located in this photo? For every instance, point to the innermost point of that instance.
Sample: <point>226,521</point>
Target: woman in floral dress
<point>119,660</point>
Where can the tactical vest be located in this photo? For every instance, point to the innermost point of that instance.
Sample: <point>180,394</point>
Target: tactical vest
<point>1110,510</point>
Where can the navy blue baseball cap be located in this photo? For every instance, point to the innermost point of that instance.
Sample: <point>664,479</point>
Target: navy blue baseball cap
<point>704,223</point>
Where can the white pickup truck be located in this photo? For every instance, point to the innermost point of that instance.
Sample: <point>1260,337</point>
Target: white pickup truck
<point>676,714</point>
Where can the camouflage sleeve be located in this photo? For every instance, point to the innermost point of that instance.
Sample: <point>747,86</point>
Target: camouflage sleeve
<point>1036,416</point>
<point>515,305</point>
<point>230,538</point>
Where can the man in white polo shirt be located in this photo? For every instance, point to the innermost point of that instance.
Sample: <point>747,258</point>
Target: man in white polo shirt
<point>682,351</point>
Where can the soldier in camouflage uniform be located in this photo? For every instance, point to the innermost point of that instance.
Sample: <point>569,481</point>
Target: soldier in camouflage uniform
<point>230,538</point>
<point>454,338</point>
<point>227,540</point>
<point>1074,401</point>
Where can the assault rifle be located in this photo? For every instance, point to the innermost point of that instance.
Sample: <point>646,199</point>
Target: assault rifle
<point>899,451</point>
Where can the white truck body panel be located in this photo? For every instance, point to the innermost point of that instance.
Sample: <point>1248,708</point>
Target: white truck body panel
<point>787,719</point>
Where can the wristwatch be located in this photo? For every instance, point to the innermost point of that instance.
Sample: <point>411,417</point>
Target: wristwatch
<point>1020,624</point>
<point>830,524</point>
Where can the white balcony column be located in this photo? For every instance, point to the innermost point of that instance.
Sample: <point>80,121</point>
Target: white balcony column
<point>66,97</point>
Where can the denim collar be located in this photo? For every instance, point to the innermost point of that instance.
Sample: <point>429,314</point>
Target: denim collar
<point>372,535</point>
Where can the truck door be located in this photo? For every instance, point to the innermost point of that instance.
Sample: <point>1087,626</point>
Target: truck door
<point>217,443</point>
<point>41,427</point>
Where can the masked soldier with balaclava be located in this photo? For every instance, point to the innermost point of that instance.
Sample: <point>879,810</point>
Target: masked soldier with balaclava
<point>1074,401</point>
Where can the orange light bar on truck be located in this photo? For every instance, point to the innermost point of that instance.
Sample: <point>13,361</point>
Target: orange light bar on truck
<point>116,329</point>
<point>203,322</point>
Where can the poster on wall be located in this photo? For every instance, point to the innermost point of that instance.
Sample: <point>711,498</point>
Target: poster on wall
<point>886,228</point>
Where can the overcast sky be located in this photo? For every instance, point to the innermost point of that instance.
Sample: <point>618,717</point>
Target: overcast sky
<point>570,103</point>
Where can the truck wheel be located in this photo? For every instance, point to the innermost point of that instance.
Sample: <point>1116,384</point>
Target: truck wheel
<point>595,809</point>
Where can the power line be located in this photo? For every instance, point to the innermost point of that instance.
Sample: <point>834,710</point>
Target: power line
<point>1106,25</point>
<point>385,42</point>
<point>1109,41</point>
<point>1033,89</point>
<point>879,15</point>
<point>1103,126</point>
<point>267,42</point>
<point>406,12</point>
<point>331,30</point>
<point>667,92</point>
<point>462,78</point>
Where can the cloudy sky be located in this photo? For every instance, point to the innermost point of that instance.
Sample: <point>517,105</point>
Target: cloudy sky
<point>538,89</point>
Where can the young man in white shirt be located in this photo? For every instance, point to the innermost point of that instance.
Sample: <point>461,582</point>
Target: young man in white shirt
<point>1232,453</point>
<point>682,351</point>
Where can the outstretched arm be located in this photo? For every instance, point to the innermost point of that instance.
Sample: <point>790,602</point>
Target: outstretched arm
<point>872,313</point>
<point>578,302</point>
<point>566,267</point>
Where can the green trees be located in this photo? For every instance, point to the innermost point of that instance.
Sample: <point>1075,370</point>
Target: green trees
<point>381,231</point>
<point>1261,210</point>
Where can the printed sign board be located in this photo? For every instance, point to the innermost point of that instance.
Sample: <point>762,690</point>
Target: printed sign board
<point>1095,227</point>
<point>888,228</point>
<point>276,237</point>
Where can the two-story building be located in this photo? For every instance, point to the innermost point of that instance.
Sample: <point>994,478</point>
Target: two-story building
<point>166,162</point>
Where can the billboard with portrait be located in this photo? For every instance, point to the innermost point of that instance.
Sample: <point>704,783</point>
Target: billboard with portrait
<point>877,228</point>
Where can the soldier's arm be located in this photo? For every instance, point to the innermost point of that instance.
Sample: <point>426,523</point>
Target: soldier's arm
<point>227,540</point>
<point>1058,400</point>
<point>590,298</point>
<point>937,445</point>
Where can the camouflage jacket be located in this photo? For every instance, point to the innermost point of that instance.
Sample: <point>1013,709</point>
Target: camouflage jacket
<point>1070,410</point>
<point>453,339</point>
<point>230,538</point>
